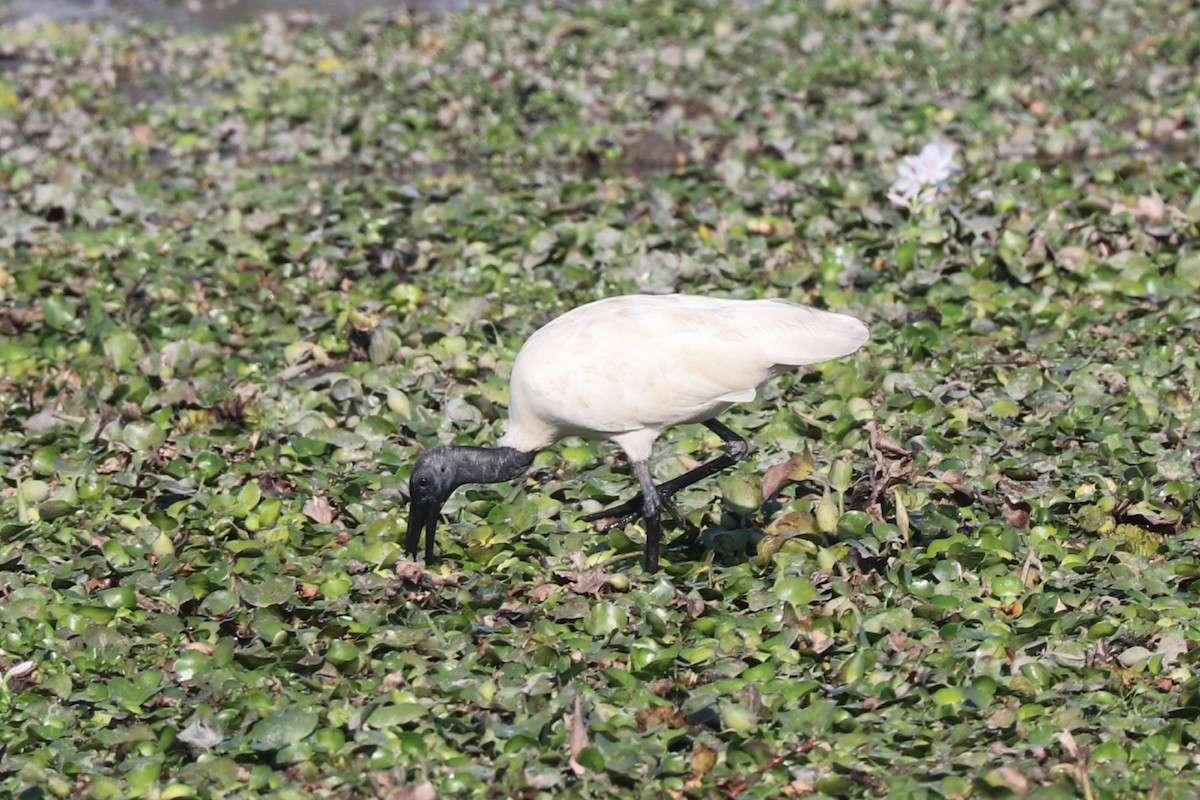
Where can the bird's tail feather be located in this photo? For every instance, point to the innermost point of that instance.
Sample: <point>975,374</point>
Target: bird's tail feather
<point>801,335</point>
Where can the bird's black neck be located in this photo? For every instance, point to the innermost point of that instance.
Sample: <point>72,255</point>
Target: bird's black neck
<point>490,464</point>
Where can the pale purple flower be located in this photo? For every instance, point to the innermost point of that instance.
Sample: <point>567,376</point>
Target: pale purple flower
<point>919,178</point>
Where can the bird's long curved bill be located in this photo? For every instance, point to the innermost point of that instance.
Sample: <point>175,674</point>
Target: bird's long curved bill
<point>421,516</point>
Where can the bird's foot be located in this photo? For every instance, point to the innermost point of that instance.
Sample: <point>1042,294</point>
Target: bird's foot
<point>621,515</point>
<point>616,517</point>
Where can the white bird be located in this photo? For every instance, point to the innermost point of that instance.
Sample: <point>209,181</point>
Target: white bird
<point>626,369</point>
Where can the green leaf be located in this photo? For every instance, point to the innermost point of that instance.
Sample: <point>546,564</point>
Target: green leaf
<point>737,717</point>
<point>59,311</point>
<point>248,498</point>
<point>143,436</point>
<point>130,695</point>
<point>122,348</point>
<point>270,592</point>
<point>396,714</point>
<point>892,619</point>
<point>604,618</point>
<point>284,727</point>
<point>742,492</point>
<point>795,590</point>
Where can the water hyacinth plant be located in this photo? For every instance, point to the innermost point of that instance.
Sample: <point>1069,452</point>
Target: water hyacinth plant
<point>245,277</point>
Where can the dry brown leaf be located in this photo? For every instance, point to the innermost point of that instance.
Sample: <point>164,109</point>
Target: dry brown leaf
<point>1117,383</point>
<point>542,593</point>
<point>141,134</point>
<point>1000,719</point>
<point>892,464</point>
<point>495,621</point>
<point>1012,780</point>
<point>13,320</point>
<point>319,510</point>
<point>416,791</point>
<point>1016,513</point>
<point>95,584</point>
<point>112,464</point>
<point>577,737</point>
<point>448,113</point>
<point>1068,742</point>
<point>882,443</point>
<point>1149,210</point>
<point>901,512</point>
<point>1146,209</point>
<point>670,716</point>
<point>797,468</point>
<point>258,221</point>
<point>585,582</point>
<point>20,670</point>
<point>819,641</point>
<point>48,418</point>
<point>410,571</point>
<point>704,758</point>
<point>801,787</point>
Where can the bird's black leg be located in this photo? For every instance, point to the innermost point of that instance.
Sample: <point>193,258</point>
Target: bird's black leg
<point>623,514</point>
<point>652,506</point>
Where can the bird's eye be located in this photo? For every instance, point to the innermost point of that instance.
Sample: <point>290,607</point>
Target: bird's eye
<point>423,482</point>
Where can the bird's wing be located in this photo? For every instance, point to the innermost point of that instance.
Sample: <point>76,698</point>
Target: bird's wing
<point>792,335</point>
<point>644,362</point>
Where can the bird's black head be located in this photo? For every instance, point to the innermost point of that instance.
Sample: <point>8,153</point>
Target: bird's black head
<point>441,470</point>
<point>434,478</point>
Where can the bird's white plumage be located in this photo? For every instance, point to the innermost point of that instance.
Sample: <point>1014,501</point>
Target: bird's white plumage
<point>627,368</point>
